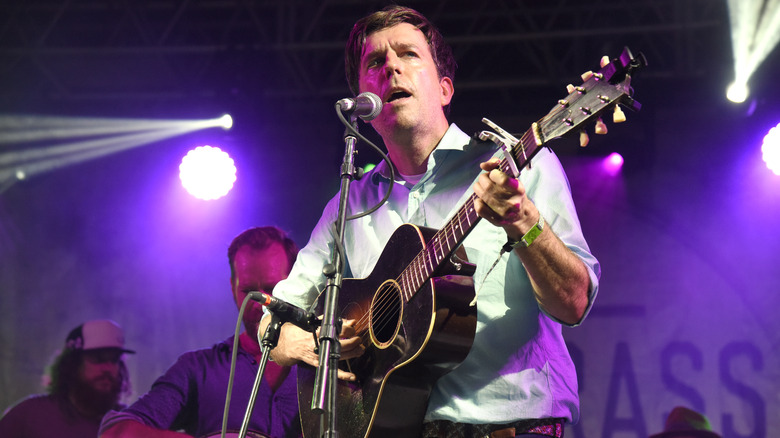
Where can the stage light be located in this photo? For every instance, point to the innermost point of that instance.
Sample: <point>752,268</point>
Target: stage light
<point>737,93</point>
<point>56,142</point>
<point>770,150</point>
<point>613,163</point>
<point>207,173</point>
<point>226,121</point>
<point>755,31</point>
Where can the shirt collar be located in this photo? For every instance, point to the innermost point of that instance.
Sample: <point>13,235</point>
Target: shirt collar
<point>454,139</point>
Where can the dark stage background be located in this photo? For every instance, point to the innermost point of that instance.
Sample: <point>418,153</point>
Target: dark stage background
<point>687,234</point>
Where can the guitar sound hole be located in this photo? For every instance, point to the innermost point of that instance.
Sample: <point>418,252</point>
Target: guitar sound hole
<point>386,314</point>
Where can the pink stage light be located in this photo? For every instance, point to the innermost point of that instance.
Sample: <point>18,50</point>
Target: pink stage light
<point>613,163</point>
<point>207,173</point>
<point>770,150</point>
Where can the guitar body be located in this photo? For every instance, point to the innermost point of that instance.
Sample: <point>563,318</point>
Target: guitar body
<point>409,345</point>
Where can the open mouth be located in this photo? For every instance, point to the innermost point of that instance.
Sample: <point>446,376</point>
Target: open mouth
<point>398,95</point>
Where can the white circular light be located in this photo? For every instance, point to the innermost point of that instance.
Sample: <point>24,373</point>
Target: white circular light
<point>207,172</point>
<point>770,150</point>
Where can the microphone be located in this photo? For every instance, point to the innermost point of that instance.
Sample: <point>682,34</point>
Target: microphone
<point>366,105</point>
<point>287,312</point>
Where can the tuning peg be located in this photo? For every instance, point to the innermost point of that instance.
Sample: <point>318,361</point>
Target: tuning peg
<point>570,88</point>
<point>584,139</point>
<point>604,60</point>
<point>618,116</point>
<point>601,127</point>
<point>587,75</point>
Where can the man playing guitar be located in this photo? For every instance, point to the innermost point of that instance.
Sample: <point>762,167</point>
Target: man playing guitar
<point>517,376</point>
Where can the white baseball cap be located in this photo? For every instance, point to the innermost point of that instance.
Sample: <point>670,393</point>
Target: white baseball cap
<point>99,333</point>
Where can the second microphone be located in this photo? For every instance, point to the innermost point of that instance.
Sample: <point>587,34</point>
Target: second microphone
<point>287,312</point>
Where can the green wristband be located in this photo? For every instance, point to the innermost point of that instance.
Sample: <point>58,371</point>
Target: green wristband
<point>529,237</point>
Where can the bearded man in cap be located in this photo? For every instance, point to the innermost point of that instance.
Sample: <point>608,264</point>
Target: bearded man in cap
<point>86,380</point>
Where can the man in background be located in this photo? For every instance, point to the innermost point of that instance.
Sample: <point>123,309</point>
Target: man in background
<point>87,380</point>
<point>190,396</point>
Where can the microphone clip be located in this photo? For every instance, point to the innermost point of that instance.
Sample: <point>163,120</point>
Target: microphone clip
<point>287,312</point>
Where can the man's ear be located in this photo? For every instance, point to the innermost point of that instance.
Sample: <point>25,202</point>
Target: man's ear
<point>233,288</point>
<point>447,90</point>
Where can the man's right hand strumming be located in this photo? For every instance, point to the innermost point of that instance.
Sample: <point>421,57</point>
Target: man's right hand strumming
<point>297,345</point>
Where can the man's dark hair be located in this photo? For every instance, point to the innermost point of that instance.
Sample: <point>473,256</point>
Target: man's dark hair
<point>389,17</point>
<point>259,238</point>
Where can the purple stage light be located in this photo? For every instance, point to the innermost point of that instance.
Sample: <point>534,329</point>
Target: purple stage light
<point>207,172</point>
<point>613,163</point>
<point>770,150</point>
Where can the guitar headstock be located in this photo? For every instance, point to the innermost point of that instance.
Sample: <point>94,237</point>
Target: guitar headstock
<point>609,87</point>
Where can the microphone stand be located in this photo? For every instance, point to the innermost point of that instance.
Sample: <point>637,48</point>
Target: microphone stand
<point>324,397</point>
<point>268,342</point>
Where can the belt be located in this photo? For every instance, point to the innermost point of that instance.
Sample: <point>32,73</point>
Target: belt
<point>552,427</point>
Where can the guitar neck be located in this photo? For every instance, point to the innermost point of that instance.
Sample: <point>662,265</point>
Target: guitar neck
<point>444,243</point>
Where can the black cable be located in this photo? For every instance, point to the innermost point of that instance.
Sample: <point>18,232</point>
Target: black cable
<point>381,153</point>
<point>233,366</point>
